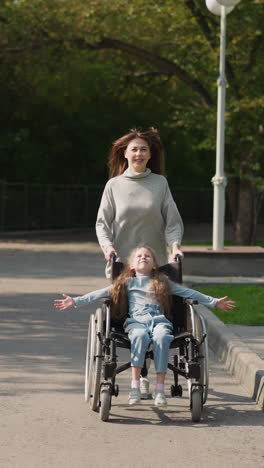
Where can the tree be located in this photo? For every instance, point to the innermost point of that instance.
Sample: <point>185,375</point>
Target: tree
<point>173,44</point>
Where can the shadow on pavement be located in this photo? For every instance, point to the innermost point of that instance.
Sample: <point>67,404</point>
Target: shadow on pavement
<point>43,352</point>
<point>41,346</point>
<point>217,415</point>
<point>50,264</point>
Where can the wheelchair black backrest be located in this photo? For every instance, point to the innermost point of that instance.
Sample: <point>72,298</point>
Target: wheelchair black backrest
<point>172,270</point>
<point>174,273</point>
<point>178,309</point>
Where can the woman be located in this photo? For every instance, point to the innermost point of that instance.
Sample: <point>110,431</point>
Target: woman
<point>137,206</point>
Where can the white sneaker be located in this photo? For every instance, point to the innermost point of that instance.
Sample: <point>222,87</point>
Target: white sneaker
<point>144,388</point>
<point>134,396</point>
<point>159,398</point>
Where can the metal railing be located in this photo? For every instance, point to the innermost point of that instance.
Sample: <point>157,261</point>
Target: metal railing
<point>53,206</point>
<point>41,206</point>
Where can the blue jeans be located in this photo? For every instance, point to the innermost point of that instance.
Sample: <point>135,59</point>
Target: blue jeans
<point>149,326</point>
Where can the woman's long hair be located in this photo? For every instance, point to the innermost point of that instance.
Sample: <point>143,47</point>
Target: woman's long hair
<point>117,162</point>
<point>159,287</point>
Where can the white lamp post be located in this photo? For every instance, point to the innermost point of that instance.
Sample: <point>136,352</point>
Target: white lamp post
<point>220,8</point>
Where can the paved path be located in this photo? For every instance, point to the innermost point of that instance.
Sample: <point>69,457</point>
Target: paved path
<point>44,420</point>
<point>252,336</point>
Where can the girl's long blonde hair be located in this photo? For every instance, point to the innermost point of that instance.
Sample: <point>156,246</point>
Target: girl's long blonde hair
<point>159,287</point>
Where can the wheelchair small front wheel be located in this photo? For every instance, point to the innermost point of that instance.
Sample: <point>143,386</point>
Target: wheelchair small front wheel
<point>176,390</point>
<point>196,405</point>
<point>105,402</point>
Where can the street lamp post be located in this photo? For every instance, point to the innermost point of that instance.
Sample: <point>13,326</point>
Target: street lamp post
<point>220,8</point>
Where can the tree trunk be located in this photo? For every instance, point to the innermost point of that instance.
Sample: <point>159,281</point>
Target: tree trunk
<point>242,199</point>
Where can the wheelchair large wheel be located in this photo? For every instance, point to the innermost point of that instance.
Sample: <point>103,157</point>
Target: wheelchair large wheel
<point>94,359</point>
<point>105,403</point>
<point>196,405</point>
<point>89,353</point>
<point>199,331</point>
<point>203,351</point>
<point>191,326</point>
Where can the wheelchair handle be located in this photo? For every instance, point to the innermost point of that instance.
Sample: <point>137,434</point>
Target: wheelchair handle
<point>113,258</point>
<point>178,258</point>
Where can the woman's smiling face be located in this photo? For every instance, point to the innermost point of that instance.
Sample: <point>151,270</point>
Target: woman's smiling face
<point>137,154</point>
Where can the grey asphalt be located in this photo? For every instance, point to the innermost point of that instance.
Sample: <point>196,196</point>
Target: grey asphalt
<point>44,420</point>
<point>253,337</point>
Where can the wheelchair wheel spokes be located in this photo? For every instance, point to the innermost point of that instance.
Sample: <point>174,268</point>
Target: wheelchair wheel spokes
<point>199,333</point>
<point>203,354</point>
<point>89,356</point>
<point>203,351</point>
<point>190,382</point>
<point>94,359</point>
<point>96,363</point>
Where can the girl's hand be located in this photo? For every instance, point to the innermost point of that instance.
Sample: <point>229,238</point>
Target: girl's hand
<point>64,304</point>
<point>225,305</point>
<point>109,251</point>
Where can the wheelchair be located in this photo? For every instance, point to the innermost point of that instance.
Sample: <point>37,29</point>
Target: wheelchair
<point>189,360</point>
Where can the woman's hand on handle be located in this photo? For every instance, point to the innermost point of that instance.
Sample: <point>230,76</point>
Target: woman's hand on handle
<point>176,250</point>
<point>225,305</point>
<point>109,252</point>
<point>65,303</point>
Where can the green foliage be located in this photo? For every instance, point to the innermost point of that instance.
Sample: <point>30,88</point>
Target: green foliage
<point>66,116</point>
<point>67,93</point>
<point>249,301</point>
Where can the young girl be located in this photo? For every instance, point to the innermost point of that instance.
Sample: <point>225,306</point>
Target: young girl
<point>148,293</point>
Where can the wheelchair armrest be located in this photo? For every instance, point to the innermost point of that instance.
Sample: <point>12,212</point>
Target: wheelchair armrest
<point>191,302</point>
<point>108,302</point>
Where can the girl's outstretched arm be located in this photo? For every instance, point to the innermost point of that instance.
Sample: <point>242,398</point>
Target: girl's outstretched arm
<point>210,301</point>
<point>225,305</point>
<point>79,301</point>
<point>65,303</point>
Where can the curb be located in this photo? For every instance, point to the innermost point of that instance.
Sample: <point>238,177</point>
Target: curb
<point>246,366</point>
<point>231,261</point>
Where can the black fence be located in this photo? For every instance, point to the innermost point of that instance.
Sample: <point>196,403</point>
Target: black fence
<point>41,206</point>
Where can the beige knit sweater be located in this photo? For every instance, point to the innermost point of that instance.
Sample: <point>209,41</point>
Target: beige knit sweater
<point>136,209</point>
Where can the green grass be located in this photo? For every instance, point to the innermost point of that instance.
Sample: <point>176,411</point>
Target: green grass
<point>249,301</point>
<point>259,243</point>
